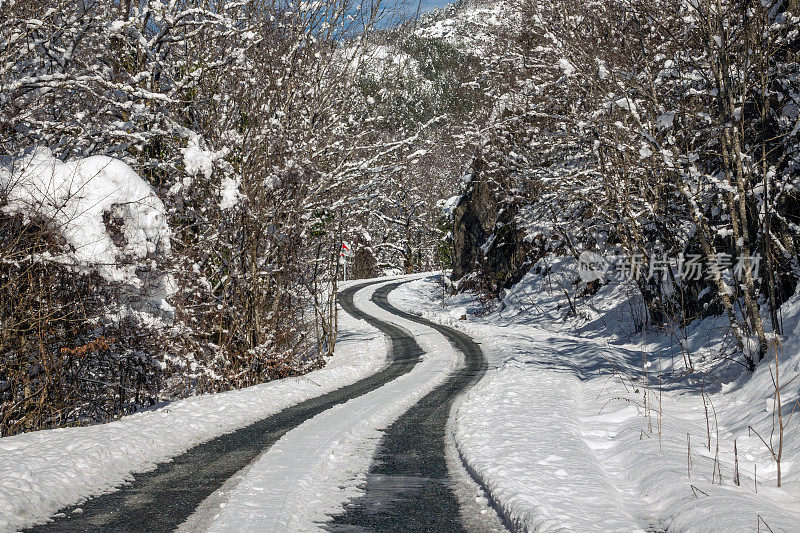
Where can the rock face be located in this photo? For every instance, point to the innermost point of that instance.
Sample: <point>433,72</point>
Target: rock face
<point>489,251</point>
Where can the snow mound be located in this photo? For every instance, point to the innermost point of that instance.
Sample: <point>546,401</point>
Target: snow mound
<point>197,160</point>
<point>81,201</point>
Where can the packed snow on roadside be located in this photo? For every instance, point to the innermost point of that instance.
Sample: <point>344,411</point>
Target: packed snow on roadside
<point>312,470</point>
<point>561,435</point>
<point>44,471</point>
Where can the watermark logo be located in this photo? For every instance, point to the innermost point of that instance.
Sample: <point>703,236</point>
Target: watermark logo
<point>592,266</point>
<point>683,267</point>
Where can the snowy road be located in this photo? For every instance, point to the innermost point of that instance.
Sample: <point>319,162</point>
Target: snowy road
<point>384,455</point>
<point>162,499</point>
<point>409,485</point>
<point>295,469</point>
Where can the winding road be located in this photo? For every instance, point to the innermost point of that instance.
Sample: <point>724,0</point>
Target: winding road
<point>408,488</point>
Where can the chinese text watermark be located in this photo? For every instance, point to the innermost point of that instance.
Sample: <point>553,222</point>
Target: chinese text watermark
<point>683,267</point>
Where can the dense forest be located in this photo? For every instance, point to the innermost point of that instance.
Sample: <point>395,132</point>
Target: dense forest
<point>662,138</point>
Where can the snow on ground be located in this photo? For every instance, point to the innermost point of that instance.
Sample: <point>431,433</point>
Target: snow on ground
<point>43,471</point>
<point>313,469</point>
<point>559,432</point>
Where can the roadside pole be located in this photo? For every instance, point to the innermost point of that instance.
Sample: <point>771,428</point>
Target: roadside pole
<point>344,253</point>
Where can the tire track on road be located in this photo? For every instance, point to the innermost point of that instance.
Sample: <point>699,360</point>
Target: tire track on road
<point>409,487</point>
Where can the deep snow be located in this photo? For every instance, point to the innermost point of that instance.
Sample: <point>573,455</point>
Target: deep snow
<point>559,433</point>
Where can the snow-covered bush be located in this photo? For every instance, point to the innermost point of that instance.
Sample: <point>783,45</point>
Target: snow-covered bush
<point>83,249</point>
<point>79,201</point>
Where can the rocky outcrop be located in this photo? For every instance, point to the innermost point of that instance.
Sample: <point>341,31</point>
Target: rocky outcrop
<point>489,249</point>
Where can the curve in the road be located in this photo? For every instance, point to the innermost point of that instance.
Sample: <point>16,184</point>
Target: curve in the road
<point>408,487</point>
<point>162,499</point>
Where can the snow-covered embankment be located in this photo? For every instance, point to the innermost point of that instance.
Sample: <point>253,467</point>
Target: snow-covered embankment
<point>557,431</point>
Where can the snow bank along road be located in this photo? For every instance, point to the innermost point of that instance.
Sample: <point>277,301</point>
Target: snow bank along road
<point>411,459</point>
<point>44,471</point>
<point>557,432</point>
